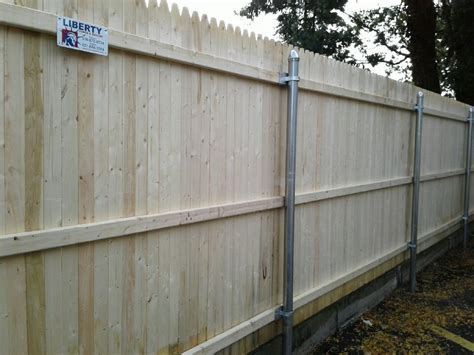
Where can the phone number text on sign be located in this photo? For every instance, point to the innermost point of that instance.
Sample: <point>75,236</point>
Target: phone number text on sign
<point>82,36</point>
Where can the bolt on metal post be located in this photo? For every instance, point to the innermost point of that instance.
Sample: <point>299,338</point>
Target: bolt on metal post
<point>416,190</point>
<point>467,177</point>
<point>286,312</point>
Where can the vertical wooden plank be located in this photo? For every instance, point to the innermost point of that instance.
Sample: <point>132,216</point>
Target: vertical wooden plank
<point>153,115</point>
<point>15,289</point>
<point>14,131</point>
<point>141,140</point>
<point>246,274</point>
<point>229,236</point>
<point>129,118</point>
<point>164,166</point>
<point>279,105</point>
<point>115,198</point>
<point>85,79</point>
<point>198,236</point>
<point>189,283</point>
<point>177,249</point>
<point>33,132</point>
<point>34,189</point>
<point>141,187</point>
<point>100,129</point>
<point>215,236</point>
<point>52,204</point>
<point>255,167</point>
<point>268,178</point>
<point>205,323</point>
<point>4,311</point>
<point>129,180</point>
<point>223,128</point>
<point>216,119</point>
<point>35,293</point>
<point>70,193</point>
<point>235,90</point>
<point>153,312</point>
<point>116,182</point>
<point>101,188</point>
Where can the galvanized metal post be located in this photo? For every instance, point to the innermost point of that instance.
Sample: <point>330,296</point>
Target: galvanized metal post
<point>416,190</point>
<point>467,179</point>
<point>286,312</point>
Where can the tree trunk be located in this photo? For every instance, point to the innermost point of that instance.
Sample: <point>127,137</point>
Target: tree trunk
<point>462,22</point>
<point>421,23</point>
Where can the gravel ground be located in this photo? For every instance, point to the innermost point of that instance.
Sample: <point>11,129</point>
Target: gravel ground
<point>410,323</point>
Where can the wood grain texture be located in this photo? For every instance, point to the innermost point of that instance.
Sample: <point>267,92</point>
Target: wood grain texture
<point>141,193</point>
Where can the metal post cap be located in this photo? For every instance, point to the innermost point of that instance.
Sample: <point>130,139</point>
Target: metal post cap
<point>420,94</point>
<point>293,55</point>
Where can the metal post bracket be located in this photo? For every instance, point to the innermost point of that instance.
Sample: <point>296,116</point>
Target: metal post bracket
<point>412,246</point>
<point>419,105</point>
<point>285,78</point>
<point>280,313</point>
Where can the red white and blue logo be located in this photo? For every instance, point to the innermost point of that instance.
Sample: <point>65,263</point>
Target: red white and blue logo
<point>69,38</point>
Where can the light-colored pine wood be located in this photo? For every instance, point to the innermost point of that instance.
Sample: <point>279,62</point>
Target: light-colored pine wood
<point>116,198</point>
<point>101,180</point>
<point>4,311</point>
<point>14,131</point>
<point>52,215</point>
<point>146,187</point>
<point>44,22</point>
<point>153,251</point>
<point>34,112</point>
<point>68,291</point>
<point>86,151</point>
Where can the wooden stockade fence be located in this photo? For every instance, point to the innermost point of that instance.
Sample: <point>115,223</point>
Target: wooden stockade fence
<point>141,193</point>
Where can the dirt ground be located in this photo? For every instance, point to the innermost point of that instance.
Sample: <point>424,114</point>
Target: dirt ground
<point>438,318</point>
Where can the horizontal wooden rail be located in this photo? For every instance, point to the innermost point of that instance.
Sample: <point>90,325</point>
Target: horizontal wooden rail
<point>350,190</point>
<point>250,326</point>
<point>337,91</point>
<point>444,175</point>
<point>450,116</point>
<point>44,22</point>
<point>315,196</point>
<point>24,242</point>
<point>52,238</point>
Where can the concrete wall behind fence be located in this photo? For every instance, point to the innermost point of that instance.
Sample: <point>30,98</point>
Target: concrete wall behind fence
<point>141,193</point>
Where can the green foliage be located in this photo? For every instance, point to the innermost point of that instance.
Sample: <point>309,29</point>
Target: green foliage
<point>388,29</point>
<point>316,25</point>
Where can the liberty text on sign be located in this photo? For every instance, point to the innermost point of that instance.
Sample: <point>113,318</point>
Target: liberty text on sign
<point>82,36</point>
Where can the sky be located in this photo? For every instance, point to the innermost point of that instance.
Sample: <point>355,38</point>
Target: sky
<point>224,10</point>
<point>264,24</point>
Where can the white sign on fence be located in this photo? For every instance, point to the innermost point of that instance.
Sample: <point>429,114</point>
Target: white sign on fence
<point>82,36</point>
